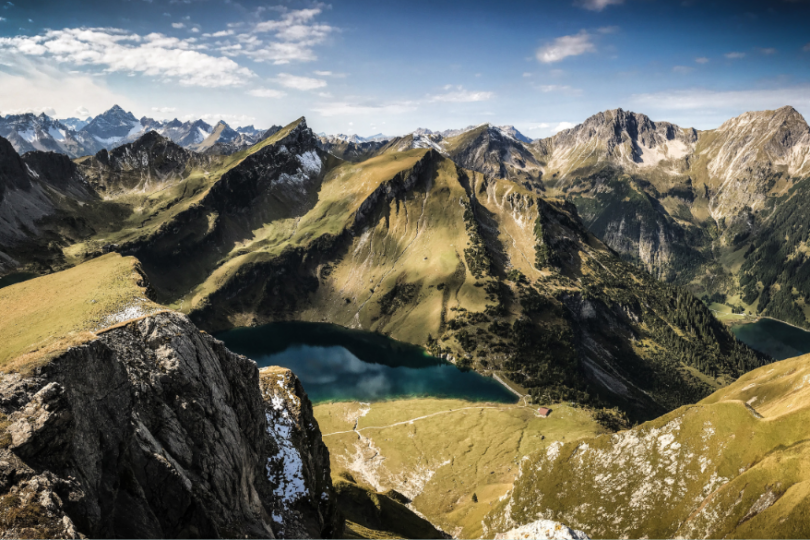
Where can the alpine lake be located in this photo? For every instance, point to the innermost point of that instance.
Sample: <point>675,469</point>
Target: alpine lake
<point>775,338</point>
<point>339,364</point>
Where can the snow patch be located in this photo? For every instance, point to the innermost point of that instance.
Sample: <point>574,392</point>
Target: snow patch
<point>57,134</point>
<point>310,162</point>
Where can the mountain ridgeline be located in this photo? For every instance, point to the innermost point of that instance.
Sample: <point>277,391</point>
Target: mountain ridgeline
<point>481,269</point>
<point>703,209</point>
<point>567,266</point>
<point>116,127</point>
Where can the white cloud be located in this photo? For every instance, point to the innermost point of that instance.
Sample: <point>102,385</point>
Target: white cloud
<point>178,25</point>
<point>164,110</point>
<point>459,95</point>
<point>552,128</point>
<point>49,111</point>
<point>735,54</point>
<point>806,48</point>
<point>566,46</point>
<point>154,55</point>
<point>299,83</point>
<point>682,70</point>
<point>34,86</point>
<point>527,74</point>
<point>702,60</point>
<point>213,118</point>
<point>699,99</point>
<point>561,126</point>
<point>221,33</point>
<point>767,50</point>
<point>597,5</point>
<point>2,19</point>
<point>330,74</point>
<point>267,93</point>
<point>353,110</point>
<point>294,35</point>
<point>556,88</point>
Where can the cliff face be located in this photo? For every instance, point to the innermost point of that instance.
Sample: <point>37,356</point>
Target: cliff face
<point>155,429</point>
<point>150,163</point>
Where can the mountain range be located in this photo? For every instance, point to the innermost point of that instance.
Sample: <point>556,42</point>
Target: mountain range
<point>474,267</point>
<point>116,127</point>
<point>702,209</point>
<point>569,266</point>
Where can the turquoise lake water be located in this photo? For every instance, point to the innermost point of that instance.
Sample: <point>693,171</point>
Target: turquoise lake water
<point>774,338</point>
<point>337,364</point>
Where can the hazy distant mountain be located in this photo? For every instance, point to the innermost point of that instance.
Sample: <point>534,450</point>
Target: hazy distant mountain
<point>509,131</point>
<point>250,131</point>
<point>113,126</point>
<point>76,123</point>
<point>28,132</point>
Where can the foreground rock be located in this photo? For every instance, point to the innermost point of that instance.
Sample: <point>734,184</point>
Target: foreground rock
<point>542,529</point>
<point>155,429</point>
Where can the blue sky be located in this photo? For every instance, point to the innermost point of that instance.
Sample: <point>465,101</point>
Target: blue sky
<point>359,66</point>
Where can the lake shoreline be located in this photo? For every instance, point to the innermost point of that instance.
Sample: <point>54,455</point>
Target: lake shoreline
<point>775,338</point>
<point>756,319</point>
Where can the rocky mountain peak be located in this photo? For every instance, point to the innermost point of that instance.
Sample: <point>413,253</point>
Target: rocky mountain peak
<point>203,124</point>
<point>112,125</point>
<point>619,137</point>
<point>12,168</point>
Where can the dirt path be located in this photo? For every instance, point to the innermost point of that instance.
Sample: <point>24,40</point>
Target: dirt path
<point>412,420</point>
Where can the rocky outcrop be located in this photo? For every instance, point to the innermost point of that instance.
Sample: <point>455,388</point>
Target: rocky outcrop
<point>618,136</point>
<point>155,429</point>
<point>34,187</point>
<point>349,150</point>
<point>298,461</point>
<point>147,164</point>
<point>495,152</point>
<point>542,529</point>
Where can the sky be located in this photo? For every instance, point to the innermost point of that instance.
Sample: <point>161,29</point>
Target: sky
<point>377,66</point>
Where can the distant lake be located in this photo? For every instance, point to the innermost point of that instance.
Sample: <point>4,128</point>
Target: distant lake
<point>337,364</point>
<point>18,277</point>
<point>774,338</point>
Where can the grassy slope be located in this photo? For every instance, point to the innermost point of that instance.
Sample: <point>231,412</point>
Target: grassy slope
<point>147,213</point>
<point>441,461</point>
<point>47,314</point>
<point>715,469</point>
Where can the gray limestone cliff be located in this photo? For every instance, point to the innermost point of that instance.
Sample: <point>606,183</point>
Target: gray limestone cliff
<point>155,429</point>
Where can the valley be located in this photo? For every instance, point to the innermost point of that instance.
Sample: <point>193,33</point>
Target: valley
<point>404,270</point>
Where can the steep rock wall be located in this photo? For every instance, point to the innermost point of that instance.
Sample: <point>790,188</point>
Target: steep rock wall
<point>157,430</point>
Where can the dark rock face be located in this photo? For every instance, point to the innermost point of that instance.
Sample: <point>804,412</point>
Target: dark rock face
<point>149,162</point>
<point>59,172</point>
<point>157,430</point>
<point>12,169</point>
